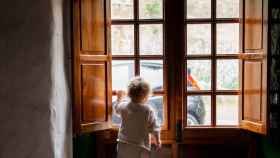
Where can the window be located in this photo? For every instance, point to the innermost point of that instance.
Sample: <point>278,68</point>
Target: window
<point>212,63</point>
<point>200,57</point>
<point>137,49</point>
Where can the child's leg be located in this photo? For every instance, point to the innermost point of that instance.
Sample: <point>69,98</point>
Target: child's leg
<point>145,154</point>
<point>127,151</point>
<point>131,151</point>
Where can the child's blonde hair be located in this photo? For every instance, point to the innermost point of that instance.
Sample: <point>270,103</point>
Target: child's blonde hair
<point>138,89</point>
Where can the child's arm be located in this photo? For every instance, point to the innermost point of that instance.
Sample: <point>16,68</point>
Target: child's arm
<point>156,140</point>
<point>117,106</point>
<point>154,129</point>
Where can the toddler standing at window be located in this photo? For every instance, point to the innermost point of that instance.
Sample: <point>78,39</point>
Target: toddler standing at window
<point>138,121</point>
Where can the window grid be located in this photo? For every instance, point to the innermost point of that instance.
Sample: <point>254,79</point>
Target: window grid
<point>137,57</point>
<point>213,56</point>
<point>136,22</point>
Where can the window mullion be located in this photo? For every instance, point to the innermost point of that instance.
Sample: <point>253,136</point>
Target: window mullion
<point>213,64</point>
<point>136,36</point>
<point>137,50</point>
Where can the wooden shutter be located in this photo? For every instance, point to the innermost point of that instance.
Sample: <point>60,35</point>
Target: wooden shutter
<point>254,89</point>
<point>92,66</point>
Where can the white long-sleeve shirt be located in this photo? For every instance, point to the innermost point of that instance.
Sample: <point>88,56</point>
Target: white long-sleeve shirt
<point>138,121</point>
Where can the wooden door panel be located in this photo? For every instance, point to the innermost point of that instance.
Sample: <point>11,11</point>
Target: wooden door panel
<point>253,24</point>
<point>94,92</point>
<point>252,91</point>
<point>93,26</point>
<point>254,56</point>
<point>92,66</point>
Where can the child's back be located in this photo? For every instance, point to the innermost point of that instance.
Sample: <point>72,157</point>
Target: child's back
<point>138,121</point>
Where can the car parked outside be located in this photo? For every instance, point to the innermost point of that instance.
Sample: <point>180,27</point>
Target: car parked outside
<point>153,71</point>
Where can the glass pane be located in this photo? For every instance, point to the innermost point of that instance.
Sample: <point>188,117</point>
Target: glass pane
<point>227,74</point>
<point>198,75</point>
<point>150,9</point>
<point>275,74</point>
<point>275,13</point>
<point>156,102</point>
<point>198,9</point>
<point>152,71</point>
<point>198,39</point>
<point>227,110</point>
<point>227,38</point>
<point>275,39</point>
<point>122,72</point>
<point>122,39</point>
<point>228,8</point>
<point>198,110</point>
<point>122,9</point>
<point>116,120</point>
<point>151,42</point>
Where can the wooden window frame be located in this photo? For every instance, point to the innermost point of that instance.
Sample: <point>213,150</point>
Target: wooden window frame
<point>136,22</point>
<point>91,46</point>
<point>213,57</point>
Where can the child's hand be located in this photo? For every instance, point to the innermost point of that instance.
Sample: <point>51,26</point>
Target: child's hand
<point>156,142</point>
<point>158,145</point>
<point>120,95</point>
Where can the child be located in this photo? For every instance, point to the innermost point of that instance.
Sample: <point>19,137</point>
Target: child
<point>138,121</point>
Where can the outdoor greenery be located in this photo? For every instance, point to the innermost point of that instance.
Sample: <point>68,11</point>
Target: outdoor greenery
<point>152,9</point>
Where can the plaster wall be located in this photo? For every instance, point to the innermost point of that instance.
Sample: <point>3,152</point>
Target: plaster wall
<point>35,115</point>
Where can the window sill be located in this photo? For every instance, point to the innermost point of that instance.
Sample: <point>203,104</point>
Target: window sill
<point>213,135</point>
<point>212,128</point>
<point>194,135</point>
